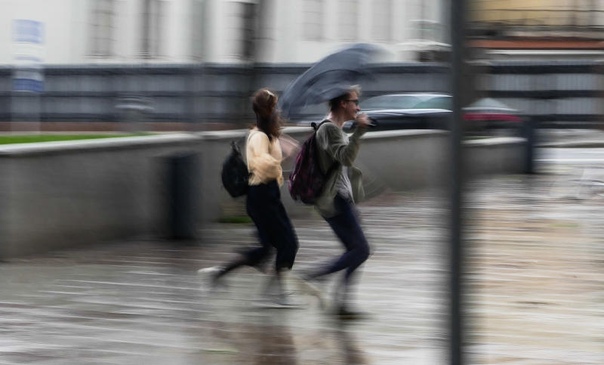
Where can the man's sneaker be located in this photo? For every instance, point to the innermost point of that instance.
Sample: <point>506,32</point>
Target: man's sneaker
<point>313,288</point>
<point>212,276</point>
<point>346,314</point>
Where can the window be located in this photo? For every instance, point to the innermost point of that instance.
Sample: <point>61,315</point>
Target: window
<point>199,38</point>
<point>437,102</point>
<point>427,30</point>
<point>153,32</point>
<point>241,29</point>
<point>248,31</point>
<point>382,20</point>
<point>390,102</point>
<point>313,20</point>
<point>348,19</point>
<point>103,28</point>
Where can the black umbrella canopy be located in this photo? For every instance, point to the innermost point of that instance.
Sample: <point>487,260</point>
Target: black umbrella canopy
<point>329,78</point>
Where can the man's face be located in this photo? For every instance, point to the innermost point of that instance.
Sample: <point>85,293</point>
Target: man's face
<point>351,105</point>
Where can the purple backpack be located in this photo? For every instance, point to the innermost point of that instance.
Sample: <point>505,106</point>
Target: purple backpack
<point>306,182</point>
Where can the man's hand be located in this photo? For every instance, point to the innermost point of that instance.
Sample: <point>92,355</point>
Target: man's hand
<point>362,121</point>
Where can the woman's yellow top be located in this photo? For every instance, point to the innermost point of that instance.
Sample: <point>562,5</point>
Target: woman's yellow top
<point>263,158</point>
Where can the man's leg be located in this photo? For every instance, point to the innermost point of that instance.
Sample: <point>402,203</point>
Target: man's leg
<point>347,228</point>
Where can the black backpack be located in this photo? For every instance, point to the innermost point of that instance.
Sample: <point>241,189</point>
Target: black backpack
<point>234,174</point>
<point>306,181</point>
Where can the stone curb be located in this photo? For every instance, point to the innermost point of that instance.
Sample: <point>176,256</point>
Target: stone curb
<point>573,144</point>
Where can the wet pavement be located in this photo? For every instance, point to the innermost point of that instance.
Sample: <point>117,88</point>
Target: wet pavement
<point>535,291</point>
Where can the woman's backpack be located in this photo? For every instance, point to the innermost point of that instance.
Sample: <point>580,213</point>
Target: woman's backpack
<point>235,175</point>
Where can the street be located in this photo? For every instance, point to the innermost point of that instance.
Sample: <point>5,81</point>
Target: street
<point>534,278</point>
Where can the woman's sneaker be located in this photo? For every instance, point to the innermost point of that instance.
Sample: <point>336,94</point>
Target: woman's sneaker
<point>212,277</point>
<point>289,300</point>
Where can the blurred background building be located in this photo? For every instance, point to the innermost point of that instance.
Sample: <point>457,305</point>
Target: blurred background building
<point>536,29</point>
<point>295,31</point>
<point>189,61</point>
<point>221,31</point>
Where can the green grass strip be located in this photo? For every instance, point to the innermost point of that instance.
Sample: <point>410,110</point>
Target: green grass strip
<point>238,219</point>
<point>35,138</point>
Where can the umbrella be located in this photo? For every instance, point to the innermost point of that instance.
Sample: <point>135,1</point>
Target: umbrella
<point>328,78</point>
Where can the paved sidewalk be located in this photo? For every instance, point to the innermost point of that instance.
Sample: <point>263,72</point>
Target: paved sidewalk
<point>579,138</point>
<point>535,277</point>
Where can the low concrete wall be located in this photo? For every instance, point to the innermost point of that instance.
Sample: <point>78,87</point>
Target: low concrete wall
<point>79,192</point>
<point>71,193</point>
<point>495,156</point>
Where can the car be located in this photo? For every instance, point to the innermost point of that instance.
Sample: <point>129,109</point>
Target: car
<point>433,111</point>
<point>490,114</point>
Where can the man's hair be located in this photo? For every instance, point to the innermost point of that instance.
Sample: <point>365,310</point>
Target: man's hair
<point>334,103</point>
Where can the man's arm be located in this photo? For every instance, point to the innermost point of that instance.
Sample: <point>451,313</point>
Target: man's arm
<point>332,140</point>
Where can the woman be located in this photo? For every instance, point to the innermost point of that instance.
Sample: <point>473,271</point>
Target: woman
<point>263,204</point>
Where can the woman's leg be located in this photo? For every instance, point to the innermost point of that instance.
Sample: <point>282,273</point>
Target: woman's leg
<point>284,239</point>
<point>254,256</point>
<point>275,230</point>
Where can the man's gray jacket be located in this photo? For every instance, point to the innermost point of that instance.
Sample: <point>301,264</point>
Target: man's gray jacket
<point>332,148</point>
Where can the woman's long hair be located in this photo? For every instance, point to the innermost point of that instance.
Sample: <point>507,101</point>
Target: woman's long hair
<point>264,103</point>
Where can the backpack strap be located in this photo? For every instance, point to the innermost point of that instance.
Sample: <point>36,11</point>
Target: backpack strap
<point>237,143</point>
<point>241,141</point>
<point>335,164</point>
<point>316,126</point>
<point>252,132</point>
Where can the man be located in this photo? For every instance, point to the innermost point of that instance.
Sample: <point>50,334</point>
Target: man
<point>343,189</point>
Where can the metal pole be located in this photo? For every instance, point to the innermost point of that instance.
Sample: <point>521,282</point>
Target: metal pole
<point>458,12</point>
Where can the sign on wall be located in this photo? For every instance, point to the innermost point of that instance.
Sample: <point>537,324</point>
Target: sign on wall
<point>28,39</point>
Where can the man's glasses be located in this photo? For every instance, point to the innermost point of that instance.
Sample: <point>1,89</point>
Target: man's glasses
<point>355,101</point>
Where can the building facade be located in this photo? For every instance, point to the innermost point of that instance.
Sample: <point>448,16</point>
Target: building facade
<point>552,16</point>
<point>536,29</point>
<point>216,31</point>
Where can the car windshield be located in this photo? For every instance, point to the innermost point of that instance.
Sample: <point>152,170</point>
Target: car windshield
<point>390,102</point>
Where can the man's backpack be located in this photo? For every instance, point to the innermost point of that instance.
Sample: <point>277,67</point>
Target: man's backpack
<point>306,181</point>
<point>234,174</point>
